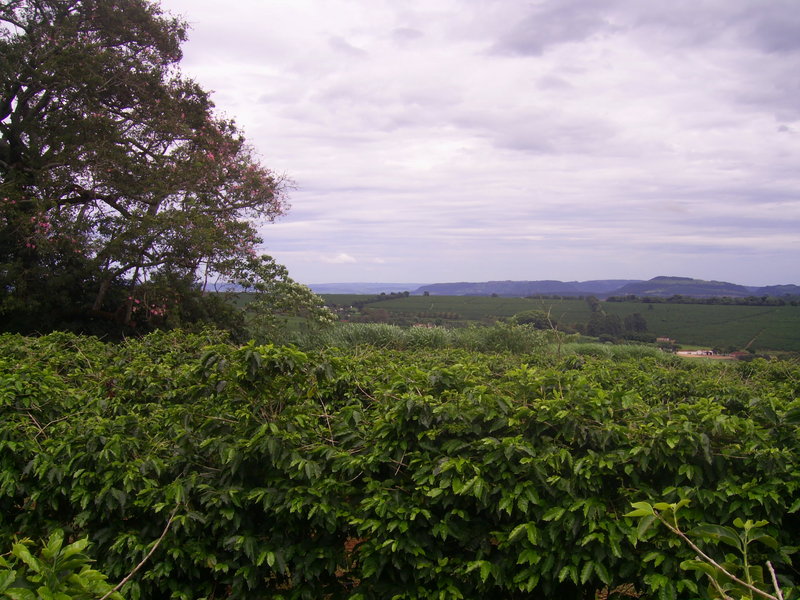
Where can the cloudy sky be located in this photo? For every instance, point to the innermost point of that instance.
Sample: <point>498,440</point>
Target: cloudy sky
<point>473,140</point>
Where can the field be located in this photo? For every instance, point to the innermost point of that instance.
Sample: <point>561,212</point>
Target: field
<point>723,326</point>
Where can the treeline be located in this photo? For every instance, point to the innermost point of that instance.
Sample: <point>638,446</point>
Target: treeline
<point>787,300</point>
<point>382,297</point>
<point>381,474</point>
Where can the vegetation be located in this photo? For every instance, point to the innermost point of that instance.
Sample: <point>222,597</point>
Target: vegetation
<point>495,457</point>
<point>726,327</point>
<point>58,572</point>
<point>727,300</point>
<point>374,473</point>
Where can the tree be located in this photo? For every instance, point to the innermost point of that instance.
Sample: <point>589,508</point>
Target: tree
<point>601,323</point>
<point>117,181</point>
<point>539,319</point>
<point>274,292</point>
<point>635,323</point>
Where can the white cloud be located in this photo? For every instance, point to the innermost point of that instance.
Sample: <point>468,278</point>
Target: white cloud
<point>338,259</point>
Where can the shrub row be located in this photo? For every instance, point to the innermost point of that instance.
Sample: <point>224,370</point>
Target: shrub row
<point>501,337</point>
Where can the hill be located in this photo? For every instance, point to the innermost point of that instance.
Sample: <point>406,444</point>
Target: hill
<point>685,286</point>
<point>661,286</point>
<point>362,288</point>
<point>525,288</point>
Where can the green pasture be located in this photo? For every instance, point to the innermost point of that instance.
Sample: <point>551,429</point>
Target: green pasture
<point>767,327</point>
<point>469,308</point>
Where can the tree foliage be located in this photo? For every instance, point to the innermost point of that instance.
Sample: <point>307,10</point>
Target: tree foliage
<point>118,183</point>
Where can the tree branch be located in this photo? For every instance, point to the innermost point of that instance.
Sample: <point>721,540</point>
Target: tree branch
<point>127,578</point>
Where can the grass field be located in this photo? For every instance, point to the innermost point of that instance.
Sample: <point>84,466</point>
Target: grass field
<point>767,327</point>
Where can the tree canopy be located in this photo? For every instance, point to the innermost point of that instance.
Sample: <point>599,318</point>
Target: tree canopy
<point>122,194</point>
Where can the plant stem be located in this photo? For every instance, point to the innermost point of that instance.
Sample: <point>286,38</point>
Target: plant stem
<point>775,581</point>
<point>127,578</point>
<point>711,561</point>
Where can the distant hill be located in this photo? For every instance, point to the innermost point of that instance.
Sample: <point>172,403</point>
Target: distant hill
<point>685,286</point>
<point>698,288</point>
<point>778,290</point>
<point>362,288</point>
<point>525,288</point>
<point>602,288</point>
<point>661,286</point>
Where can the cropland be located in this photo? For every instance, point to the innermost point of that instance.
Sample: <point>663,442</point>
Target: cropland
<point>713,325</point>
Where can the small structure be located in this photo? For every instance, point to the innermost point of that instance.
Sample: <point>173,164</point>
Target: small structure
<point>695,353</point>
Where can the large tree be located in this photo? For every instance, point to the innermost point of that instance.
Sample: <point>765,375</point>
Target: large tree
<point>121,190</point>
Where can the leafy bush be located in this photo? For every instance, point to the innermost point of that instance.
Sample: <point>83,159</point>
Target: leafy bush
<point>502,337</point>
<point>374,473</point>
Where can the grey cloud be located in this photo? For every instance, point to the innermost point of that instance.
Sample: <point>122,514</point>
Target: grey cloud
<point>553,82</point>
<point>773,26</point>
<point>776,95</point>
<point>550,24</point>
<point>539,131</point>
<point>406,34</point>
<point>342,45</point>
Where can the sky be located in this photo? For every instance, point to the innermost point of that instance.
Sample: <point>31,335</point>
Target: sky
<point>475,140</point>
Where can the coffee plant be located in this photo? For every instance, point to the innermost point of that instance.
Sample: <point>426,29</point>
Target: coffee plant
<point>268,472</point>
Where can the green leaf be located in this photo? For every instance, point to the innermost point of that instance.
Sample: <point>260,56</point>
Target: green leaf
<point>22,553</point>
<point>533,533</point>
<point>655,556</point>
<point>792,416</point>
<point>603,573</point>
<point>700,566</point>
<point>586,571</point>
<point>554,513</point>
<point>756,575</point>
<point>6,579</point>
<point>764,538</point>
<point>645,524</point>
<point>564,573</point>
<point>486,569</point>
<point>717,533</point>
<point>642,509</point>
<point>54,544</point>
<point>668,592</point>
<point>75,548</point>
<point>20,594</point>
<point>45,594</point>
<point>517,532</point>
